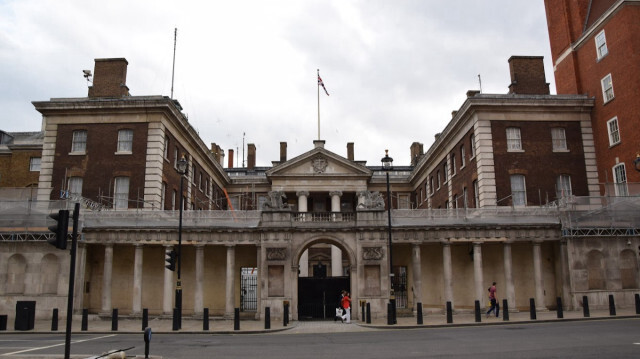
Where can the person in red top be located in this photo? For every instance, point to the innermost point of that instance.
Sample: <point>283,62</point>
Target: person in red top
<point>346,305</point>
<point>492,298</point>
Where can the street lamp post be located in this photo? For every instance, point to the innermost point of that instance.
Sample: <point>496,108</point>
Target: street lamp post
<point>387,165</point>
<point>182,169</point>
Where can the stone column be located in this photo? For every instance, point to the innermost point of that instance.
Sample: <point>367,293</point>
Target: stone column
<point>336,253</point>
<point>304,259</point>
<point>477,273</point>
<point>168,289</point>
<point>509,289</point>
<point>567,299</point>
<point>417,274</point>
<point>230,282</point>
<point>106,278</point>
<point>447,272</point>
<point>198,306</point>
<point>259,283</point>
<point>304,263</point>
<point>302,200</point>
<point>136,307</point>
<point>81,260</point>
<point>537,275</point>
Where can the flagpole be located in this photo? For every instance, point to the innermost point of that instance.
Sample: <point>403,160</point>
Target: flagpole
<point>318,106</point>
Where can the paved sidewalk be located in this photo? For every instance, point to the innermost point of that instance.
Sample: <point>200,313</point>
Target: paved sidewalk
<point>221,326</point>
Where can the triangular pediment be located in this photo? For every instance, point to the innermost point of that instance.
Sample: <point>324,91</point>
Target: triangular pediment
<point>319,162</point>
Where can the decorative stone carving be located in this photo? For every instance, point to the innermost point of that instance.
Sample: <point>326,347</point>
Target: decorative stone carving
<point>277,200</point>
<point>372,200</point>
<point>276,254</point>
<point>372,253</point>
<point>319,164</point>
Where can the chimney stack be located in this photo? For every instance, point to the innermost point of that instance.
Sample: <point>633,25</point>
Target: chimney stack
<point>283,152</point>
<point>527,76</point>
<point>350,155</point>
<point>230,158</point>
<point>109,78</point>
<point>417,150</point>
<point>251,156</point>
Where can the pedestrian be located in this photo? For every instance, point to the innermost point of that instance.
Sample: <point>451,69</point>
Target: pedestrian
<point>493,300</point>
<point>346,305</point>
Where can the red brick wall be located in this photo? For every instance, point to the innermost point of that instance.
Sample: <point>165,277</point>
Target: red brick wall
<point>14,169</point>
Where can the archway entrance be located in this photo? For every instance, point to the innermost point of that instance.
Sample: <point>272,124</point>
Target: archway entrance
<point>320,283</point>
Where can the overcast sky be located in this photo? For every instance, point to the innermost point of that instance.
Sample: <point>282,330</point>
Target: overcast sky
<point>394,69</point>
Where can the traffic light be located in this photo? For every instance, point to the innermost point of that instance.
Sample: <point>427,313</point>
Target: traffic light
<point>60,229</point>
<point>171,260</point>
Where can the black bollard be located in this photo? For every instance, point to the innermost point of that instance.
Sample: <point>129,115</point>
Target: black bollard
<point>532,308</point>
<point>54,320</point>
<point>612,305</point>
<point>114,320</point>
<point>285,314</point>
<point>147,340</point>
<point>368,313</point>
<point>145,319</point>
<point>176,325</point>
<point>585,306</point>
<point>363,306</point>
<point>236,318</point>
<point>205,319</point>
<point>420,313</point>
<point>559,307</point>
<point>478,316</point>
<point>637,303</point>
<point>449,313</point>
<point>389,314</point>
<point>267,318</point>
<point>85,320</point>
<point>505,310</point>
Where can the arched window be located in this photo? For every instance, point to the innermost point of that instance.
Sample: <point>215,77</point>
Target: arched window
<point>49,268</point>
<point>16,270</point>
<point>595,270</point>
<point>628,269</point>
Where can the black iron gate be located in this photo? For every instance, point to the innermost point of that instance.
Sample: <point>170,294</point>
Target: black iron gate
<point>319,297</point>
<point>399,283</point>
<point>248,289</point>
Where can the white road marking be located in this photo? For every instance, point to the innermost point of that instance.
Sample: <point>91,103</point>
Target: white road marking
<point>57,345</point>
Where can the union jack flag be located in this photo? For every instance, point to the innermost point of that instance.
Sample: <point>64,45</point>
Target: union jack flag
<point>320,83</point>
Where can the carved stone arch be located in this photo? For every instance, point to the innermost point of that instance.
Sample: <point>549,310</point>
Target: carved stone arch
<point>325,239</point>
<point>16,272</point>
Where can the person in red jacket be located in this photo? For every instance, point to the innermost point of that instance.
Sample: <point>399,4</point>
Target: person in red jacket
<point>346,304</point>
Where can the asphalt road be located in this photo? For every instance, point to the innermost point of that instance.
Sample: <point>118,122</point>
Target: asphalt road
<point>580,339</point>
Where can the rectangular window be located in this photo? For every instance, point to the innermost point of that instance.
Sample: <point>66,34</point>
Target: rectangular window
<point>79,141</point>
<point>465,202</point>
<point>559,139</point>
<point>200,181</point>
<point>601,45</point>
<point>453,164</point>
<point>175,157</point>
<point>431,185</point>
<point>163,192</point>
<point>74,187</point>
<point>445,170</point>
<point>514,142</point>
<point>607,88</point>
<point>473,146</point>
<point>563,186</point>
<point>34,164</point>
<point>620,179</point>
<point>614,132</point>
<point>166,149</point>
<point>518,190</point>
<point>438,179</point>
<point>403,201</point>
<point>476,194</point>
<point>121,193</point>
<point>125,141</point>
<point>174,195</point>
<point>462,157</point>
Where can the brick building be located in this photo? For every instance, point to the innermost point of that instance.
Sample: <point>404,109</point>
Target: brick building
<point>20,156</point>
<point>595,47</point>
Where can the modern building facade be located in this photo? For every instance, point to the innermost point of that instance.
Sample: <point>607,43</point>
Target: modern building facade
<point>508,192</point>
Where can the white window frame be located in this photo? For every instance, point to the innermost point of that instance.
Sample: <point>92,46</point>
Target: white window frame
<point>476,194</point>
<point>121,193</point>
<point>79,141</point>
<point>462,159</point>
<point>563,186</point>
<point>174,195</point>
<point>601,45</point>
<point>445,170</point>
<point>125,141</point>
<point>514,139</point>
<point>607,88</point>
<point>404,201</point>
<point>559,139</point>
<point>163,195</point>
<point>74,187</point>
<point>453,164</point>
<point>472,139</point>
<point>613,129</point>
<point>166,149</point>
<point>518,190</point>
<point>620,180</point>
<point>35,164</point>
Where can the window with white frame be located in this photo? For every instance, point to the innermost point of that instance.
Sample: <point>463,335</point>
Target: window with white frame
<point>403,201</point>
<point>445,170</point>
<point>174,195</point>
<point>453,163</point>
<point>558,139</point>
<point>472,150</point>
<point>125,141</point>
<point>462,156</point>
<point>438,179</point>
<point>163,193</point>
<point>518,190</point>
<point>79,141</point>
<point>563,186</point>
<point>620,179</point>
<point>34,164</point>
<point>166,149</point>
<point>121,193</point>
<point>614,131</point>
<point>431,188</point>
<point>465,201</point>
<point>601,45</point>
<point>514,142</point>
<point>74,187</point>
<point>476,194</point>
<point>607,88</point>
